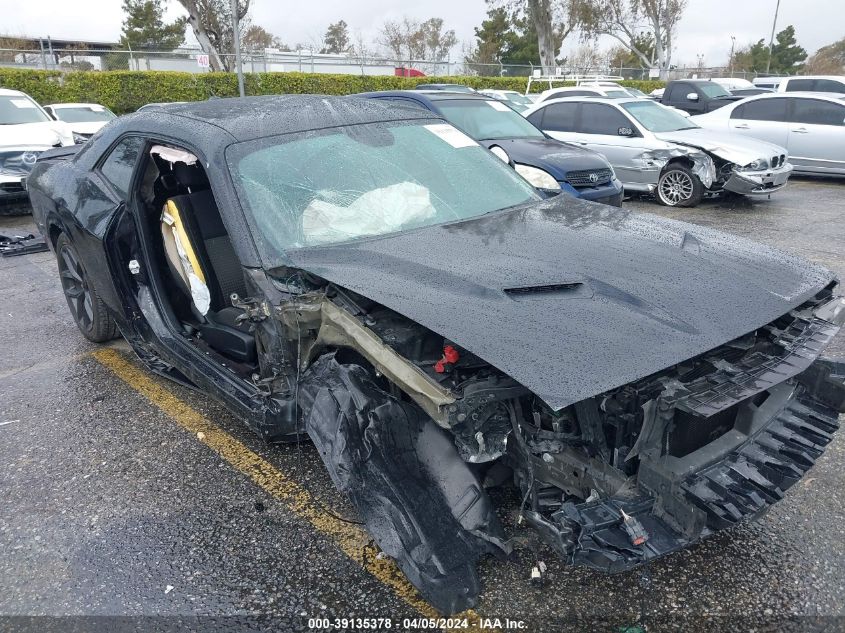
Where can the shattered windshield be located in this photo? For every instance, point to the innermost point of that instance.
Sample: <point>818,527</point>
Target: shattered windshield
<point>657,118</point>
<point>18,109</point>
<point>337,184</point>
<point>487,120</point>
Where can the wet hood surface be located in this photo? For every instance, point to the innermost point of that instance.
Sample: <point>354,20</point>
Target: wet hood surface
<point>734,148</point>
<point>573,298</point>
<point>555,157</point>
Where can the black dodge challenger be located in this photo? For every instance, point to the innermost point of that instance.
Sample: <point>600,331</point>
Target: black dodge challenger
<point>373,278</point>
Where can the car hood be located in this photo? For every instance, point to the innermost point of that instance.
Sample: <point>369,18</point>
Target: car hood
<point>733,148</point>
<point>34,135</point>
<point>553,156</point>
<point>572,298</point>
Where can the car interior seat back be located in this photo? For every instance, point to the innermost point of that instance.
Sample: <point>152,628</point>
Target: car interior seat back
<point>204,265</point>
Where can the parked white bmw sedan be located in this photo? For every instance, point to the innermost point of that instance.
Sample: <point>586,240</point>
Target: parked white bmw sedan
<point>652,148</point>
<point>810,125</point>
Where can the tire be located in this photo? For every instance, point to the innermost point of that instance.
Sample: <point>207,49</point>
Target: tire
<point>87,309</point>
<point>679,187</point>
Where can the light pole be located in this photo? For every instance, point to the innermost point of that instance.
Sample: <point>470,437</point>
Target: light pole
<point>236,38</point>
<point>772,38</point>
<point>731,62</point>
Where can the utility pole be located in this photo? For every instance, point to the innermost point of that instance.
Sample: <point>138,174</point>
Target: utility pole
<point>731,62</point>
<point>772,38</point>
<point>236,38</point>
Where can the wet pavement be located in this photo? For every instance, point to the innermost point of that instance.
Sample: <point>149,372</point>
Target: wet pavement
<point>111,507</point>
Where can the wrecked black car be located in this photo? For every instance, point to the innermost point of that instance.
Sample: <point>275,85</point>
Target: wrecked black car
<point>374,278</point>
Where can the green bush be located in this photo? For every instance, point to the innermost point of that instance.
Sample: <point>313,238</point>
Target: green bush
<point>125,91</point>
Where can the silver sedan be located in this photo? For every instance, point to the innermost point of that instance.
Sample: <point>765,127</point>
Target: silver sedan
<point>654,149</point>
<point>810,125</point>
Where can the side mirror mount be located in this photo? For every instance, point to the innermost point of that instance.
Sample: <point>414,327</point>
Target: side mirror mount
<point>692,96</point>
<point>625,131</point>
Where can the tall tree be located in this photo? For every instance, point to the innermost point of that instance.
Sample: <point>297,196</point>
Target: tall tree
<point>786,54</point>
<point>626,20</point>
<point>336,39</point>
<point>491,41</point>
<point>828,60</point>
<point>256,38</point>
<point>211,21</point>
<point>503,39</point>
<point>144,27</point>
<point>438,43</point>
<point>623,57</point>
<point>752,58</point>
<point>411,41</point>
<point>552,21</point>
<point>522,45</point>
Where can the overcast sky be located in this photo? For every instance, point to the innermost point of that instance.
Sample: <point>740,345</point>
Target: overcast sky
<point>705,29</point>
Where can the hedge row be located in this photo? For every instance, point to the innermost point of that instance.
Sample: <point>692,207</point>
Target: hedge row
<point>126,91</point>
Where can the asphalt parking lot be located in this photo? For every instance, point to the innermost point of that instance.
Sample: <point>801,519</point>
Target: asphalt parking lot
<point>126,495</point>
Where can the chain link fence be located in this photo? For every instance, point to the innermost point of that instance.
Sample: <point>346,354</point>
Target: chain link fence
<point>194,60</point>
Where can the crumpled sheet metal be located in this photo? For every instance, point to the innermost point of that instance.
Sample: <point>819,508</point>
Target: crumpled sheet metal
<point>702,163</point>
<point>420,502</point>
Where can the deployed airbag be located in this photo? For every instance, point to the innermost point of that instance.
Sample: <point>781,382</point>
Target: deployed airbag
<point>378,211</point>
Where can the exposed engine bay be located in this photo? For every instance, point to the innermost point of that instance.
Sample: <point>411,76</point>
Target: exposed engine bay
<point>610,481</point>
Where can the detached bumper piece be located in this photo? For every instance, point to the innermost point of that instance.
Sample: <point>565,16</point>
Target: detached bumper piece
<point>13,245</point>
<point>754,183</point>
<point>745,483</point>
<point>718,449</point>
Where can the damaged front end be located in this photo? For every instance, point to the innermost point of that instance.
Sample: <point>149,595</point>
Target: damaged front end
<point>712,443</point>
<point>409,423</point>
<point>726,166</point>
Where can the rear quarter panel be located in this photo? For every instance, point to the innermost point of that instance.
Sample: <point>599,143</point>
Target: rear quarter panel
<point>70,199</point>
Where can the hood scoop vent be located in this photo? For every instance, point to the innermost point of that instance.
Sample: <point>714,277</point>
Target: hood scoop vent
<point>570,289</point>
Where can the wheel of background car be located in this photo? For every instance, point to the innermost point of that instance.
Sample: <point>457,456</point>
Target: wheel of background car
<point>86,307</point>
<point>679,187</point>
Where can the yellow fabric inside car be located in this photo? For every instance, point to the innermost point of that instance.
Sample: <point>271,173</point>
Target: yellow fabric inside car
<point>182,257</point>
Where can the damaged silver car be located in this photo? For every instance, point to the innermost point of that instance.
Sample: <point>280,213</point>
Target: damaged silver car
<point>374,279</point>
<point>655,149</point>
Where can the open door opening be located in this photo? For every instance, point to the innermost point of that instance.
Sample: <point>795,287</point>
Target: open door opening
<point>198,271</point>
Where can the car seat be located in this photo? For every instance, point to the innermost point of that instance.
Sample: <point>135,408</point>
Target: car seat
<point>204,265</point>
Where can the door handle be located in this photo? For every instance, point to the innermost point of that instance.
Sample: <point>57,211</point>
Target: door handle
<point>743,126</point>
<point>800,130</point>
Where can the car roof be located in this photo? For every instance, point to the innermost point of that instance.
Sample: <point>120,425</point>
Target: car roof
<point>246,118</point>
<point>801,94</point>
<point>696,81</point>
<point>608,100</point>
<point>836,77</point>
<point>429,95</point>
<point>7,92</point>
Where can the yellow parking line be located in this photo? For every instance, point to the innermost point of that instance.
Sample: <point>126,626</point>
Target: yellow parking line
<point>352,540</point>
